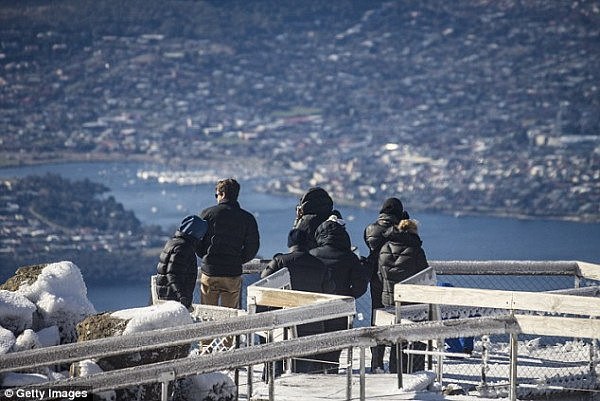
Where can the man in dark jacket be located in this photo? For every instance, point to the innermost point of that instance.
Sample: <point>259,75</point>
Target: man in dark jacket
<point>232,239</point>
<point>390,214</point>
<point>307,273</point>
<point>177,267</point>
<point>334,249</point>
<point>314,208</point>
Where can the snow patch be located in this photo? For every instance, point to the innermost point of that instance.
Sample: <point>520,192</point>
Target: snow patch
<point>7,340</point>
<point>49,336</point>
<point>88,367</point>
<point>11,379</point>
<point>26,340</point>
<point>153,317</point>
<point>16,311</point>
<point>60,295</point>
<point>215,386</point>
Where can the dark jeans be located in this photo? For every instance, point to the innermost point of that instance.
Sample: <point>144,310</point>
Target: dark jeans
<point>418,361</point>
<point>376,288</point>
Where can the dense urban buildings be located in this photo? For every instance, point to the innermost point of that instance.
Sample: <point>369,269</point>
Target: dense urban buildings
<point>461,107</point>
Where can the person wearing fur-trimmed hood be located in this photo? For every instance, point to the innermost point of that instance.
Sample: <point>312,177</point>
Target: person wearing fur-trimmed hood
<point>401,257</point>
<point>390,214</point>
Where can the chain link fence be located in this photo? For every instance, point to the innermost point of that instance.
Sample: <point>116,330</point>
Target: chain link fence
<point>547,366</point>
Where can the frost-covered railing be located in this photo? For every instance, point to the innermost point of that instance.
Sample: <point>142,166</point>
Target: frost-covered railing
<point>303,346</point>
<point>322,309</point>
<point>273,292</point>
<point>586,309</point>
<point>576,269</point>
<point>161,338</point>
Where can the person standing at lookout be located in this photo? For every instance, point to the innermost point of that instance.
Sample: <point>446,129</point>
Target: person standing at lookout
<point>177,268</point>
<point>314,208</point>
<point>401,257</point>
<point>334,249</point>
<point>307,273</point>
<point>390,214</point>
<point>232,239</point>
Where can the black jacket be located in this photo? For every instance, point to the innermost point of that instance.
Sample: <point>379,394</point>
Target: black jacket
<point>400,258</point>
<point>232,239</point>
<point>315,207</point>
<point>307,272</point>
<point>334,249</point>
<point>374,237</point>
<point>177,269</point>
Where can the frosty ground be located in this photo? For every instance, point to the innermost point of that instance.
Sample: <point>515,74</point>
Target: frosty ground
<point>417,386</point>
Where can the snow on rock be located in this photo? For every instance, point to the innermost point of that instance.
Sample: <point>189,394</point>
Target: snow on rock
<point>16,311</point>
<point>153,317</point>
<point>26,340</point>
<point>131,321</point>
<point>419,381</point>
<point>49,336</point>
<point>88,367</point>
<point>60,295</point>
<point>7,340</point>
<point>215,386</point>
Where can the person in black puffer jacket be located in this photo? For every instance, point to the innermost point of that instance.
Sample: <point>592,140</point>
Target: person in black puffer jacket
<point>307,273</point>
<point>314,208</point>
<point>177,267</point>
<point>390,214</point>
<point>401,257</point>
<point>335,251</point>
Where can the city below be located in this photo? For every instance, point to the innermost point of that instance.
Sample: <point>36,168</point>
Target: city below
<point>463,108</point>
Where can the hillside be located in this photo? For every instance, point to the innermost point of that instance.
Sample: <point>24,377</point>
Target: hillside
<point>462,107</point>
<point>48,219</point>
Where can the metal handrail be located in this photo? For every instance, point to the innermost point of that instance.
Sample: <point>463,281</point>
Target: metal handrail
<point>104,347</point>
<point>361,337</point>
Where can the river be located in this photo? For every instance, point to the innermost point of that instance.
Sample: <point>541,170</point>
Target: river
<point>445,237</point>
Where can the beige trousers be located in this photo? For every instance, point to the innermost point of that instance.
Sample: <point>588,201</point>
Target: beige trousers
<point>228,289</point>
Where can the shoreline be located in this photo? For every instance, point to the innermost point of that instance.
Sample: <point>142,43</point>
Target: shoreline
<point>94,158</point>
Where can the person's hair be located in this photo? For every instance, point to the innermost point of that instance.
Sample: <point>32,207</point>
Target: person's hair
<point>229,187</point>
<point>408,225</point>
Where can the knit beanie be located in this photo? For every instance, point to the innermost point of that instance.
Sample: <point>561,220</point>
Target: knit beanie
<point>297,237</point>
<point>392,206</point>
<point>194,226</point>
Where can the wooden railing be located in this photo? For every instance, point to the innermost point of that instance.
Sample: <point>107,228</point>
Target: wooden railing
<point>519,304</point>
